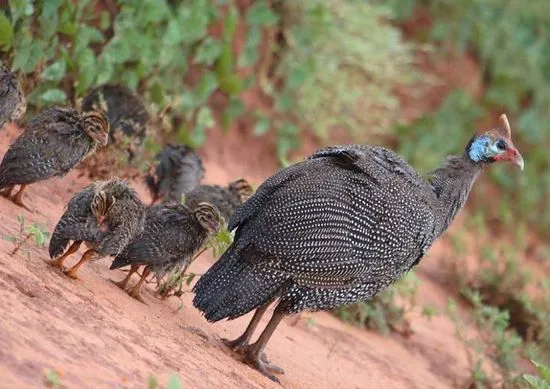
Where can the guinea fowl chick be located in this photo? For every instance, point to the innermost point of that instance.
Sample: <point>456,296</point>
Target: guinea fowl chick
<point>105,215</point>
<point>126,114</point>
<point>227,200</point>
<point>12,100</point>
<point>337,228</point>
<point>179,171</point>
<point>52,144</point>
<point>173,233</point>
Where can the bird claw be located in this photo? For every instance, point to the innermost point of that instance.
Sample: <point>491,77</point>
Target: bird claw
<point>260,363</point>
<point>58,264</point>
<point>138,297</point>
<point>71,273</point>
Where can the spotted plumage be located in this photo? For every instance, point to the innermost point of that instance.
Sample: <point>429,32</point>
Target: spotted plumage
<point>125,112</point>
<point>226,199</point>
<point>105,216</point>
<point>52,144</point>
<point>179,170</point>
<point>334,229</point>
<point>173,233</point>
<point>12,100</point>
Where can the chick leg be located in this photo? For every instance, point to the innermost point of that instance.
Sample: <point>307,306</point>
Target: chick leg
<point>72,249</point>
<point>7,191</point>
<point>18,198</point>
<point>122,283</point>
<point>85,258</point>
<point>254,354</point>
<point>135,293</point>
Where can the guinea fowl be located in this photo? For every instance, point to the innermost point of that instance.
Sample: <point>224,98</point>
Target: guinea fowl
<point>337,228</point>
<point>105,215</point>
<point>173,233</point>
<point>52,144</point>
<point>12,100</point>
<point>227,200</point>
<point>179,171</point>
<point>126,114</point>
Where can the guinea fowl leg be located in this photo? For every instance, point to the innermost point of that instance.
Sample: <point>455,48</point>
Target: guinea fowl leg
<point>241,342</point>
<point>72,249</point>
<point>85,258</point>
<point>254,354</point>
<point>122,283</point>
<point>18,198</point>
<point>135,291</point>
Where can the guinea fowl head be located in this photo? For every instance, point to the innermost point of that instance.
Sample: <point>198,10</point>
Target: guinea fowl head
<point>102,203</point>
<point>242,189</point>
<point>97,127</point>
<point>208,217</point>
<point>495,145</point>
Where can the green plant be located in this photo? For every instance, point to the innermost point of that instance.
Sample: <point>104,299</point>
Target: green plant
<point>539,382</point>
<point>52,379</point>
<point>386,311</point>
<point>37,232</point>
<point>338,65</point>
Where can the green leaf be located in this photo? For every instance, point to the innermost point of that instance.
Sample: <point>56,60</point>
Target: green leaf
<point>544,371</point>
<point>261,14</point>
<point>20,8</point>
<point>205,118</point>
<point>104,20</point>
<point>206,86</point>
<point>231,84</point>
<point>54,96</point>
<point>54,72</point>
<point>174,382</point>
<point>6,31</point>
<point>208,51</point>
<point>152,382</point>
<point>224,63</point>
<point>250,53</point>
<point>262,126</point>
<point>86,70</point>
<point>230,23</point>
<point>49,18</point>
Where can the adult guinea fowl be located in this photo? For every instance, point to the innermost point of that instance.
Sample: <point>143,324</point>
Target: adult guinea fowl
<point>126,114</point>
<point>179,170</point>
<point>51,145</point>
<point>337,228</point>
<point>173,233</point>
<point>227,200</point>
<point>12,100</point>
<point>105,215</point>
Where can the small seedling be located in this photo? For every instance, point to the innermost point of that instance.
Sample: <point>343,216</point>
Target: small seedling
<point>37,232</point>
<point>174,382</point>
<point>152,383</point>
<point>52,379</point>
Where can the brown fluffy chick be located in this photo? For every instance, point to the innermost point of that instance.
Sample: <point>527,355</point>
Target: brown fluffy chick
<point>126,114</point>
<point>173,233</point>
<point>52,144</point>
<point>227,199</point>
<point>179,171</point>
<point>105,215</point>
<point>12,100</point>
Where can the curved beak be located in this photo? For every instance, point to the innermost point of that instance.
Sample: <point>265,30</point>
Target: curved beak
<point>519,161</point>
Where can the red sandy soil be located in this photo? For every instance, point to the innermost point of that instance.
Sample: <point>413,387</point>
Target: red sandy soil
<point>96,336</point>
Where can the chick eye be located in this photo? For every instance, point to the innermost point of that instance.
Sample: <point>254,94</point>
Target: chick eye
<point>501,145</point>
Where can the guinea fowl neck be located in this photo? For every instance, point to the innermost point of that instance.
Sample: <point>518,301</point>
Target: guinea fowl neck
<point>451,184</point>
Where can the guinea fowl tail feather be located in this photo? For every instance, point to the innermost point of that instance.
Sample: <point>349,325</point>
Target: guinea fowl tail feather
<point>151,184</point>
<point>236,284</point>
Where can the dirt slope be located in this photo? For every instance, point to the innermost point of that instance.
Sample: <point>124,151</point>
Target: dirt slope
<point>95,336</point>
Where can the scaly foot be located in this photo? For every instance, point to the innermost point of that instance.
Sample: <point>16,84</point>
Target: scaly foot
<point>259,362</point>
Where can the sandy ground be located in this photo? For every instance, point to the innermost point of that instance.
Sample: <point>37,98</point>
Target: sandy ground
<point>96,336</point>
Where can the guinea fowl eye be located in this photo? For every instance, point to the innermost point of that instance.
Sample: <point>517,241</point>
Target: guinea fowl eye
<point>501,144</point>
